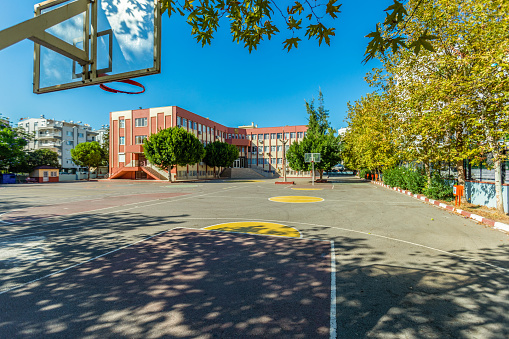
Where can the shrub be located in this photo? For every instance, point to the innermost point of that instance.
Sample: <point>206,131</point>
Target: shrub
<point>363,172</point>
<point>405,178</point>
<point>439,189</point>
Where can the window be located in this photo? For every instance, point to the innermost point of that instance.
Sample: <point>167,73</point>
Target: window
<point>139,139</point>
<point>266,136</point>
<point>272,148</point>
<point>179,121</point>
<point>266,160</point>
<point>140,122</point>
<point>260,136</point>
<point>184,123</point>
<point>53,174</point>
<point>287,135</point>
<point>199,127</point>
<point>260,161</point>
<point>121,140</point>
<point>280,161</point>
<point>287,147</point>
<point>273,135</point>
<point>279,148</point>
<point>35,125</point>
<point>69,142</point>
<point>93,138</point>
<point>299,135</point>
<point>305,134</point>
<point>255,149</point>
<point>273,160</point>
<point>121,157</point>
<point>121,123</point>
<point>280,135</point>
<point>80,135</point>
<point>266,149</point>
<point>69,133</point>
<point>292,135</point>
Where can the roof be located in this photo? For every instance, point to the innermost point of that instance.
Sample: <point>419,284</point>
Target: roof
<point>45,167</point>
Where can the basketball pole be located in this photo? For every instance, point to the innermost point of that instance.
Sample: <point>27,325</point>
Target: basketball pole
<point>313,169</point>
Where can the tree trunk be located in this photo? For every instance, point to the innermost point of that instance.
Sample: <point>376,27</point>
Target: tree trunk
<point>321,173</point>
<point>461,178</point>
<point>427,170</point>
<point>88,178</point>
<point>498,183</point>
<point>169,174</point>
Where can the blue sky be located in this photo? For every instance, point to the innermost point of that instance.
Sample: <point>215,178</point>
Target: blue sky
<point>223,82</point>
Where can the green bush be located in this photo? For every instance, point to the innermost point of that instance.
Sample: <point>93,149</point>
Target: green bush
<point>405,178</point>
<point>439,189</point>
<point>363,172</point>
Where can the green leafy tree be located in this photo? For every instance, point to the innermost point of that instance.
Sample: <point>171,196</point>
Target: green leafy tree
<point>87,154</point>
<point>12,144</point>
<point>38,157</point>
<point>106,148</point>
<point>220,154</point>
<point>171,147</point>
<point>253,21</point>
<point>319,138</point>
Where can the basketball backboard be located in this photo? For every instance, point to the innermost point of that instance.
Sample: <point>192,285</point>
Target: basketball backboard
<point>119,39</point>
<point>312,157</point>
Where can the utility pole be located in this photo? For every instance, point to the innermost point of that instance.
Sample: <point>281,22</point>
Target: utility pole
<point>284,141</point>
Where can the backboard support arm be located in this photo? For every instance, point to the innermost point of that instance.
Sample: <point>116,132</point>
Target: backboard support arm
<point>34,29</point>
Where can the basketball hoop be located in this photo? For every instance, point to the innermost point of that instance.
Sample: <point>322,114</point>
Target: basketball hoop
<point>126,81</point>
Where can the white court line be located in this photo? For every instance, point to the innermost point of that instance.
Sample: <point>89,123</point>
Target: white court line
<point>83,262</point>
<point>333,320</point>
<point>364,233</point>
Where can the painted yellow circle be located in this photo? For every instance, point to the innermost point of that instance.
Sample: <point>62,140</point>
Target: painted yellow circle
<point>296,199</point>
<point>307,189</point>
<point>257,227</point>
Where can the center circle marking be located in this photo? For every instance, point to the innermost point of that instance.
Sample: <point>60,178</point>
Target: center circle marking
<point>256,227</point>
<point>295,199</point>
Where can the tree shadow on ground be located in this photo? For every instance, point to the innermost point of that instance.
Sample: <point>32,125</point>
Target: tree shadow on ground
<point>194,285</point>
<point>419,293</point>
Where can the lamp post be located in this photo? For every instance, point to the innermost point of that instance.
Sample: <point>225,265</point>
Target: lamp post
<point>284,141</point>
<point>263,162</point>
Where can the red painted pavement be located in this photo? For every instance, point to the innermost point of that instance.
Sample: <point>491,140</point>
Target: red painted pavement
<point>49,211</point>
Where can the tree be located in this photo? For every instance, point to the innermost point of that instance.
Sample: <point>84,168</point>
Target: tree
<point>106,148</point>
<point>12,143</point>
<point>252,21</point>
<point>220,154</point>
<point>87,154</point>
<point>319,138</point>
<point>171,147</point>
<point>38,157</point>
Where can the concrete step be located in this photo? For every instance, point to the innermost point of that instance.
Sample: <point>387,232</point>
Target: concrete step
<point>245,173</point>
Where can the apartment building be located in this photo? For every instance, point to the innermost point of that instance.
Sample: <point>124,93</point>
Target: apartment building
<point>59,136</point>
<point>260,148</point>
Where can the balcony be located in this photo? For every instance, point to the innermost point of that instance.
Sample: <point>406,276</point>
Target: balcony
<point>50,135</point>
<point>52,125</point>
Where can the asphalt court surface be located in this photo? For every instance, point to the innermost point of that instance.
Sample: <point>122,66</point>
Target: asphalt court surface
<point>184,283</point>
<point>403,268</point>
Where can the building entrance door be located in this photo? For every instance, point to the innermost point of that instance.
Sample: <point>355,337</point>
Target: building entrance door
<point>236,163</point>
<point>45,177</point>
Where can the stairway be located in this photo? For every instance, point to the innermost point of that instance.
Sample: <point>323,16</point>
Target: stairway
<point>245,173</point>
<point>155,172</point>
<point>226,173</point>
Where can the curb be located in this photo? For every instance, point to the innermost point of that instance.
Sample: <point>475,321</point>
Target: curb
<point>492,223</point>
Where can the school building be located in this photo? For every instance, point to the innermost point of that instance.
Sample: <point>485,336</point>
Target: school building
<point>261,149</point>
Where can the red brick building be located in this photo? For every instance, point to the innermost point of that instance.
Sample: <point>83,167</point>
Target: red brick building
<point>259,148</point>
